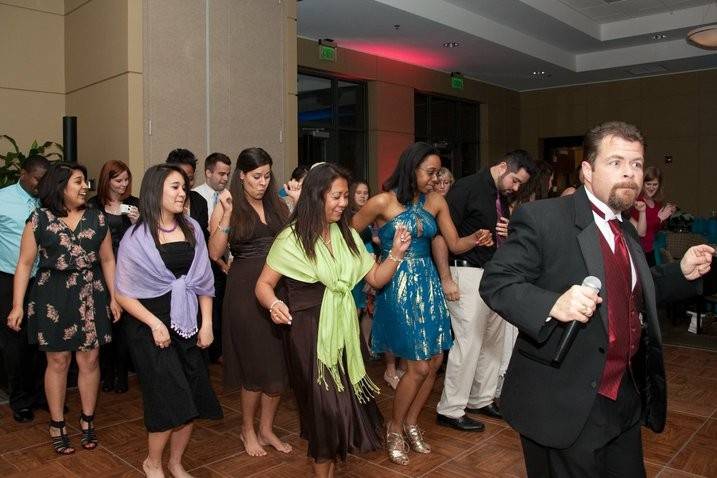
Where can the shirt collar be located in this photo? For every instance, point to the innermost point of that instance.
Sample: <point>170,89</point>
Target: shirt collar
<point>27,197</point>
<point>609,214</point>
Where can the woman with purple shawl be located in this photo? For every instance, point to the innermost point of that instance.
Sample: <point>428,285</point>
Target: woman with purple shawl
<point>164,281</point>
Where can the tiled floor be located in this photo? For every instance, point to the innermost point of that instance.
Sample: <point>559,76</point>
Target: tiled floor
<point>688,446</point>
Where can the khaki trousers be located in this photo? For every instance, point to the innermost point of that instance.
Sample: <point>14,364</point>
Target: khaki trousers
<point>474,360</point>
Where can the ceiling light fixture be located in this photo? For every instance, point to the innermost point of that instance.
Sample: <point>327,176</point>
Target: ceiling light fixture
<point>539,74</point>
<point>704,37</point>
<point>451,44</point>
<point>658,36</point>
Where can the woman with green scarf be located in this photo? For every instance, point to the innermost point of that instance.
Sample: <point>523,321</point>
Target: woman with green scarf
<point>322,259</point>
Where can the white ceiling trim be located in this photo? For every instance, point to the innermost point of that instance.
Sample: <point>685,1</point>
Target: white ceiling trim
<point>659,22</point>
<point>639,54</point>
<point>482,27</point>
<point>567,15</point>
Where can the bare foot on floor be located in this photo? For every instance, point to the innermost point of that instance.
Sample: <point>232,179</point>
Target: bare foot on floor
<point>269,438</point>
<point>177,470</point>
<point>152,471</point>
<point>252,444</point>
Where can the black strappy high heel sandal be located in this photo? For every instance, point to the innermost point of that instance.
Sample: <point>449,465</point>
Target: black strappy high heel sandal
<point>61,443</point>
<point>89,437</point>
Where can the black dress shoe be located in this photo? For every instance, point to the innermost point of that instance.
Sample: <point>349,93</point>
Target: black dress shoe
<point>108,385</point>
<point>464,423</point>
<point>23,415</point>
<point>121,386</point>
<point>491,410</point>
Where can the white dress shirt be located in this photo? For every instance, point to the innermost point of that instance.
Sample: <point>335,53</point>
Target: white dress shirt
<point>602,224</point>
<point>210,195</point>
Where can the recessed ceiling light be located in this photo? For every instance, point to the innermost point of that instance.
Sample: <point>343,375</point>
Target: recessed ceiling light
<point>658,36</point>
<point>538,74</point>
<point>451,44</point>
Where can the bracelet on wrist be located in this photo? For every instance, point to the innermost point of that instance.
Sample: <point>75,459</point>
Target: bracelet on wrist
<point>225,230</point>
<point>277,301</point>
<point>157,326</point>
<point>394,258</point>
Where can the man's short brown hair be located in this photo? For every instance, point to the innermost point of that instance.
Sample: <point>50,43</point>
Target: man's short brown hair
<point>594,137</point>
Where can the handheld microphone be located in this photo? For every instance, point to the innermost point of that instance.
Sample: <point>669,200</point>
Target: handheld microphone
<point>566,341</point>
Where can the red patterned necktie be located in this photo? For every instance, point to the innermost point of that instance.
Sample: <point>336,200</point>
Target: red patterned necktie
<point>499,210</point>
<point>620,251</point>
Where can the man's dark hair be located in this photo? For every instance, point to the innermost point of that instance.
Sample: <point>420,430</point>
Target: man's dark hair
<point>299,173</point>
<point>35,162</point>
<point>182,156</point>
<point>215,158</point>
<point>620,129</point>
<point>520,159</point>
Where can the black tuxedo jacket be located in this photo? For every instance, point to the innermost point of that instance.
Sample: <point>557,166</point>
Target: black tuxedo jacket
<point>552,245</point>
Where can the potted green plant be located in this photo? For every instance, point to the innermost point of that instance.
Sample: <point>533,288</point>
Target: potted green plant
<point>12,161</point>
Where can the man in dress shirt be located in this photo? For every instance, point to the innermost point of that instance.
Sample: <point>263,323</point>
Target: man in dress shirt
<point>477,202</point>
<point>580,416</point>
<point>217,167</point>
<point>22,361</point>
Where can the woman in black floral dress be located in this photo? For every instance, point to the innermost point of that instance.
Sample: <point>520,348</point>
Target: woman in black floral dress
<point>72,299</point>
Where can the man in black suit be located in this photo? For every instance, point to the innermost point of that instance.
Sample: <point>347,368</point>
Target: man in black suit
<point>581,417</point>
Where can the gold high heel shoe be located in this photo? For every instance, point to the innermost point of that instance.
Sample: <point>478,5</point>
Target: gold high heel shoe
<point>396,447</point>
<point>415,439</point>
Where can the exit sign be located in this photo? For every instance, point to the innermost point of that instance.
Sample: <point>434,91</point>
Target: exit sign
<point>327,53</point>
<point>457,82</point>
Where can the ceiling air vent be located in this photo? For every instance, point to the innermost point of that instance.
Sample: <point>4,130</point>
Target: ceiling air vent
<point>612,1</point>
<point>647,70</point>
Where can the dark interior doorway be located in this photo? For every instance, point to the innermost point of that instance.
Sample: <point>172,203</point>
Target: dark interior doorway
<point>565,155</point>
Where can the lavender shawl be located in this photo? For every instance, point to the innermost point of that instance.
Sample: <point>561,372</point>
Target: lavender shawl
<point>141,274</point>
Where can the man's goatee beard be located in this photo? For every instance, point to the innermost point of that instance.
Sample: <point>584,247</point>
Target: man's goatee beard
<point>618,203</point>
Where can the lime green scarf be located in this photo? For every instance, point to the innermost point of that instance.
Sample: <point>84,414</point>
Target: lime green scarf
<point>338,320</point>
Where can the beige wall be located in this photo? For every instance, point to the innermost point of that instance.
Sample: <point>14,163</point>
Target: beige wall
<point>223,81</point>
<point>32,77</point>
<point>80,58</point>
<point>391,86</point>
<point>676,113</point>
<point>103,64</point>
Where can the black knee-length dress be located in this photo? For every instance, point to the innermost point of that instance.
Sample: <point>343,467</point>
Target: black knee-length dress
<point>334,423</point>
<point>174,380</point>
<point>253,345</point>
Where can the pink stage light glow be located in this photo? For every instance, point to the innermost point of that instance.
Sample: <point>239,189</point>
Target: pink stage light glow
<point>403,53</point>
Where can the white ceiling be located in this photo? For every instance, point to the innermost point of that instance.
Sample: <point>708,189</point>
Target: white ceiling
<point>503,41</point>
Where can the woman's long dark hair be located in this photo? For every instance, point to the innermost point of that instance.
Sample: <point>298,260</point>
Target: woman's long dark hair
<point>150,201</point>
<point>309,216</point>
<point>244,217</point>
<point>51,189</point>
<point>403,179</point>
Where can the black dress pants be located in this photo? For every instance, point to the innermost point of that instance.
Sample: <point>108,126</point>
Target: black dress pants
<point>23,363</point>
<point>610,444</point>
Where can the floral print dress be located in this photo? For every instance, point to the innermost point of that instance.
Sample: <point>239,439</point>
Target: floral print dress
<point>68,307</point>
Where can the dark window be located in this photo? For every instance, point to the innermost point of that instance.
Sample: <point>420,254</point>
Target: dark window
<point>332,122</point>
<point>452,125</point>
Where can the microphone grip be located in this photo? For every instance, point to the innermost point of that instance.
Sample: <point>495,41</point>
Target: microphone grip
<point>566,341</point>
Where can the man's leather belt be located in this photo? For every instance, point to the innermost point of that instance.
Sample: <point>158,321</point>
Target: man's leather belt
<point>460,263</point>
